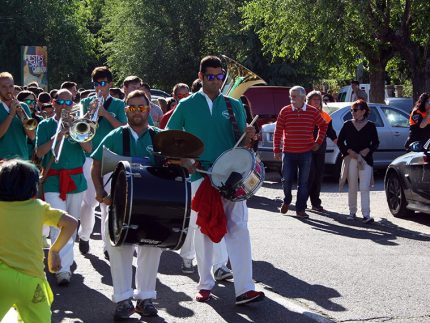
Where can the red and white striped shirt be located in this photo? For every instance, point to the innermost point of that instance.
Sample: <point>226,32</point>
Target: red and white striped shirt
<point>296,128</point>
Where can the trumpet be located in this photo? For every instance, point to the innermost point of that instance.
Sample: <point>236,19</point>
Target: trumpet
<point>28,122</point>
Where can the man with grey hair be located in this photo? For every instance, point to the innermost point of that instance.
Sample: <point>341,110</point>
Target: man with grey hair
<point>295,126</point>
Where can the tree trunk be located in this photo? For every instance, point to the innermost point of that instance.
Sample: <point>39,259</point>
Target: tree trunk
<point>420,79</point>
<point>377,80</point>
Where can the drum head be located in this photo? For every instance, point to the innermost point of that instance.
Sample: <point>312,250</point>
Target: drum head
<point>119,210</point>
<point>238,160</point>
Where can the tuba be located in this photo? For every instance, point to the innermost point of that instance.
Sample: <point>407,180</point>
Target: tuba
<point>238,79</point>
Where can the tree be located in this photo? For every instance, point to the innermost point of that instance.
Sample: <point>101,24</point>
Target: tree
<point>55,24</point>
<point>328,33</point>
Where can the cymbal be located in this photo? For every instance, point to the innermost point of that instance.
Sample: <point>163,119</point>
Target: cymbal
<point>177,143</point>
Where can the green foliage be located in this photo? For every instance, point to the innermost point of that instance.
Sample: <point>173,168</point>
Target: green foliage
<point>59,25</point>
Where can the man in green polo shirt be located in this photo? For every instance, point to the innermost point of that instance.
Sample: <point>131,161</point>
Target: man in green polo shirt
<point>13,134</point>
<point>121,257</point>
<point>111,115</point>
<point>65,184</point>
<point>206,115</point>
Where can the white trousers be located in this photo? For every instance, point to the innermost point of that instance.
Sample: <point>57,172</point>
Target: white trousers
<point>188,251</point>
<point>359,179</point>
<point>88,204</point>
<point>71,205</point>
<point>121,267</point>
<point>238,244</point>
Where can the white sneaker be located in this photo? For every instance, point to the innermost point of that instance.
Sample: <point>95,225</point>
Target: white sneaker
<point>351,216</point>
<point>187,266</point>
<point>223,273</point>
<point>63,278</point>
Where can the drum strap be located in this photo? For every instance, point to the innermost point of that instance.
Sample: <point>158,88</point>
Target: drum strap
<point>233,121</point>
<point>126,137</point>
<point>106,106</point>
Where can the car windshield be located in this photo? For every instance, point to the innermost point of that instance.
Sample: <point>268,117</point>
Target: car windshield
<point>330,109</point>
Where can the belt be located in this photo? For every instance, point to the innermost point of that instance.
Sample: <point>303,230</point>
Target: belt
<point>66,182</point>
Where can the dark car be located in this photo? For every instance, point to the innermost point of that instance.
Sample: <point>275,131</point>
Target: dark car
<point>407,182</point>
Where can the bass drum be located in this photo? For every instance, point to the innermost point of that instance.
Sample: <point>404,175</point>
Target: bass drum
<point>150,205</point>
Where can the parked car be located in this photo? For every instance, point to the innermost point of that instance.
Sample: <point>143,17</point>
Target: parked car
<point>391,123</point>
<point>406,104</point>
<point>407,182</point>
<point>159,93</point>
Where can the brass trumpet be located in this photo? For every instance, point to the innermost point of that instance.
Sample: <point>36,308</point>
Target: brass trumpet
<point>28,123</point>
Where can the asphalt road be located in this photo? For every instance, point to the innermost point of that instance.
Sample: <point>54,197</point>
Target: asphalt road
<point>322,269</point>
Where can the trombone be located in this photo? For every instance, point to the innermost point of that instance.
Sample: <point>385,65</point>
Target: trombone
<point>79,129</point>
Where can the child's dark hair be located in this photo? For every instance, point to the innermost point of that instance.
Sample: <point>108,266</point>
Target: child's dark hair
<point>18,180</point>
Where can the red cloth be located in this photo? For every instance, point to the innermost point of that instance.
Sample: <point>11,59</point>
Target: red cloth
<point>66,182</point>
<point>165,118</point>
<point>210,212</point>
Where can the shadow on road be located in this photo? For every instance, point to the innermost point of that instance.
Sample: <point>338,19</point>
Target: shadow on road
<point>281,282</point>
<point>383,232</point>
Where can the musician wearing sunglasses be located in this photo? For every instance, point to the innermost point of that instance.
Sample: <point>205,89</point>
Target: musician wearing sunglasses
<point>357,141</point>
<point>138,134</point>
<point>65,182</point>
<point>13,134</point>
<point>111,116</point>
<point>180,91</point>
<point>208,115</point>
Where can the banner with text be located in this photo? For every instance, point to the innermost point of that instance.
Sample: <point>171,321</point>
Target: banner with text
<point>34,64</point>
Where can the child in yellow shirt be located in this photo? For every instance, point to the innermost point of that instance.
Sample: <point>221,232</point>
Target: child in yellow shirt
<point>22,278</point>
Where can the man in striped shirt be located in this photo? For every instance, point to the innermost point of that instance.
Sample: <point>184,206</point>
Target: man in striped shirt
<point>295,126</point>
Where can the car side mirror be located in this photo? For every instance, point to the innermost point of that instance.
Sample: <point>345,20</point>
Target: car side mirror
<point>416,146</point>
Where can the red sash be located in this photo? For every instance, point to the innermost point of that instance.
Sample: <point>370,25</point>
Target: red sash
<point>66,182</point>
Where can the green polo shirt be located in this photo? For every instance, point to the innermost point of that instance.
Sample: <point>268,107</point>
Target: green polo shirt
<point>142,147</point>
<point>14,142</point>
<point>72,156</point>
<point>116,109</point>
<point>214,129</point>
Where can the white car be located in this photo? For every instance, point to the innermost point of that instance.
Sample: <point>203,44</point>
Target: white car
<point>391,123</point>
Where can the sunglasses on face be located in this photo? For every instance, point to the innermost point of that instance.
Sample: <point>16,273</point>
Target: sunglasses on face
<point>69,103</point>
<point>181,96</point>
<point>30,102</point>
<point>101,83</point>
<point>219,77</point>
<point>134,108</point>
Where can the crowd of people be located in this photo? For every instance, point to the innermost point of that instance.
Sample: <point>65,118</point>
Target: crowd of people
<point>36,126</point>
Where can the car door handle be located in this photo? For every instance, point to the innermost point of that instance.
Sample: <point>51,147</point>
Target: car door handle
<point>396,133</point>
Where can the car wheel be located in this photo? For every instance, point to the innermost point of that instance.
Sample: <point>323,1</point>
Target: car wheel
<point>396,197</point>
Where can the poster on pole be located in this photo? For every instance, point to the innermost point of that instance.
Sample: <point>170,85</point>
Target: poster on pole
<point>34,62</point>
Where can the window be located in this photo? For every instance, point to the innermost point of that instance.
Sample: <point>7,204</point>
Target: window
<point>374,117</point>
<point>395,118</point>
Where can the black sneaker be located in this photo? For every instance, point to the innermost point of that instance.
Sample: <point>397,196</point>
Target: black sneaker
<point>84,246</point>
<point>249,297</point>
<point>123,310</point>
<point>145,307</point>
<point>368,220</point>
<point>106,254</point>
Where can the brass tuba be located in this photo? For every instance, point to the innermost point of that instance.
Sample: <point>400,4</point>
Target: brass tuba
<point>238,79</point>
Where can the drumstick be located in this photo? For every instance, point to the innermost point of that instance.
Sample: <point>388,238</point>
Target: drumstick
<point>243,135</point>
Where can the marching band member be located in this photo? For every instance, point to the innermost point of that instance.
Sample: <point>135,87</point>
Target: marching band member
<point>13,134</point>
<point>121,257</point>
<point>65,183</point>
<point>206,115</point>
<point>111,115</point>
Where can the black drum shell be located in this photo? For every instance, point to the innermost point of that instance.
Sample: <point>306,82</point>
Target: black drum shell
<point>151,205</point>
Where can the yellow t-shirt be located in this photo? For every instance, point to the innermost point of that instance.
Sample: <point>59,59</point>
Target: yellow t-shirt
<point>21,246</point>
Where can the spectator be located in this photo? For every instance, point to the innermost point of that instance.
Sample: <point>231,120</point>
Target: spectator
<point>295,125</point>
<point>196,86</point>
<point>357,93</point>
<point>156,112</point>
<point>53,94</point>
<point>419,121</point>
<point>180,91</point>
<point>116,92</point>
<point>357,141</point>
<point>72,87</point>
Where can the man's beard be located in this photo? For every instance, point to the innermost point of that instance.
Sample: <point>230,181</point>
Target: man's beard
<point>139,122</point>
<point>7,98</point>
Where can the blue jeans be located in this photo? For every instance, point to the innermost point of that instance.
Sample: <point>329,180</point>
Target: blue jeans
<point>291,163</point>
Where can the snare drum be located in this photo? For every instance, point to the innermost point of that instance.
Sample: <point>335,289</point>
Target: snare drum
<point>150,205</point>
<point>237,174</point>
